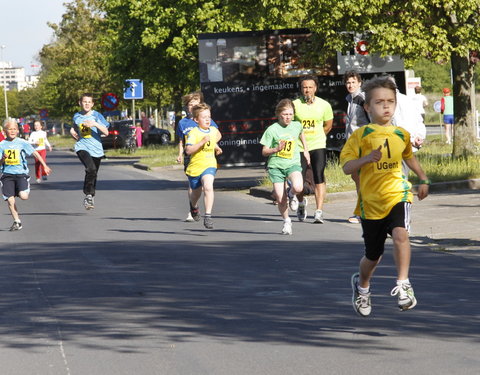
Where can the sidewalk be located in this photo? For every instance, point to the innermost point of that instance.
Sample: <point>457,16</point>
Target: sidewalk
<point>447,220</point>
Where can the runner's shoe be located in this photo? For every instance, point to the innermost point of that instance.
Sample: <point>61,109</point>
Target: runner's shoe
<point>44,178</point>
<point>189,218</point>
<point>17,225</point>
<point>195,212</point>
<point>318,218</point>
<point>287,228</point>
<point>208,222</point>
<point>354,219</point>
<point>292,200</point>
<point>88,202</point>
<point>361,302</point>
<point>302,210</point>
<point>406,297</point>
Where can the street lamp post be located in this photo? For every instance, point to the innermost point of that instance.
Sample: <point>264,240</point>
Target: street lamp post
<point>2,47</point>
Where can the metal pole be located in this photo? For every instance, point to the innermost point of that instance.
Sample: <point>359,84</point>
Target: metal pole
<point>4,82</point>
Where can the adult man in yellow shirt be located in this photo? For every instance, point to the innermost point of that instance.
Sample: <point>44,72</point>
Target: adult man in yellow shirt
<point>316,116</point>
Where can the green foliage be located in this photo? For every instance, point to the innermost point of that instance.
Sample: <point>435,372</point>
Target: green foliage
<point>77,61</point>
<point>434,76</point>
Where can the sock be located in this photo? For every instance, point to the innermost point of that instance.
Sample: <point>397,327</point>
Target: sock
<point>363,290</point>
<point>400,282</point>
<point>208,215</point>
<point>287,220</point>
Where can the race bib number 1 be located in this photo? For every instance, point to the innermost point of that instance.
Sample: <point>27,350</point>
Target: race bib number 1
<point>12,157</point>
<point>385,164</point>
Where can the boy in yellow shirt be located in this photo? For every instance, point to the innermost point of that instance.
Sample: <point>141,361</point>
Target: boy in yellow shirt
<point>376,151</point>
<point>202,147</point>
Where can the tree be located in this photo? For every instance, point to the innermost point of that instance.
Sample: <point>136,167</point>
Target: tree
<point>439,30</point>
<point>156,40</point>
<point>77,61</point>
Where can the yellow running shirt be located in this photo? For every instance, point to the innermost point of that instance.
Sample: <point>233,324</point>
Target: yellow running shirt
<point>312,117</point>
<point>205,157</point>
<point>382,184</point>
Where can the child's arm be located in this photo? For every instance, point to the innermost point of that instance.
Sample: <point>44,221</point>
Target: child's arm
<point>93,123</point>
<point>191,149</point>
<point>73,133</point>
<point>218,149</point>
<point>40,159</point>
<point>267,151</point>
<point>414,165</point>
<point>354,165</point>
<point>305,148</point>
<point>180,151</point>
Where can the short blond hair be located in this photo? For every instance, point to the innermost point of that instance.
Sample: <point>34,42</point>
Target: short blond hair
<point>10,121</point>
<point>200,108</point>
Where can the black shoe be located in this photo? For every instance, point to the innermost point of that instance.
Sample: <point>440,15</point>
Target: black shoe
<point>195,213</point>
<point>208,222</point>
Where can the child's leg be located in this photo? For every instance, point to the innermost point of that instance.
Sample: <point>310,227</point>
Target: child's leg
<point>195,196</point>
<point>281,197</point>
<point>296,180</point>
<point>401,252</point>
<point>208,194</point>
<point>367,268</point>
<point>13,208</point>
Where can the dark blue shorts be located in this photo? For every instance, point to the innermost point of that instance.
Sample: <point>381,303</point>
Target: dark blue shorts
<point>196,182</point>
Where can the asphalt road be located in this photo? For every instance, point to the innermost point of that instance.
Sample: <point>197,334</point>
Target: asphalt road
<point>129,288</point>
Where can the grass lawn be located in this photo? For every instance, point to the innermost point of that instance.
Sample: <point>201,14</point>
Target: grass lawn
<point>435,157</point>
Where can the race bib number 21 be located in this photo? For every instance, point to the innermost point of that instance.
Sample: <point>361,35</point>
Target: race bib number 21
<point>12,157</point>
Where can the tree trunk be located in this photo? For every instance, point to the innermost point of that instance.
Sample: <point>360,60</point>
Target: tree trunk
<point>464,131</point>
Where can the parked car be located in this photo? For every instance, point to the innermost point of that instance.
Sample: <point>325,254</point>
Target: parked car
<point>157,136</point>
<point>118,133</point>
<point>55,128</point>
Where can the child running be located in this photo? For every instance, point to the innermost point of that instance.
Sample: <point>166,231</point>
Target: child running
<point>376,151</point>
<point>38,139</point>
<point>184,126</point>
<point>15,178</point>
<point>87,126</point>
<point>201,146</point>
<point>280,145</point>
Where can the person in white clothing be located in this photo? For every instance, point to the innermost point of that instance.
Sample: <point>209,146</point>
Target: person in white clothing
<point>38,139</point>
<point>420,101</point>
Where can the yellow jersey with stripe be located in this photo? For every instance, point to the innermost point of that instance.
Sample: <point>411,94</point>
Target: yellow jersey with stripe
<point>382,183</point>
<point>312,116</point>
<point>205,157</point>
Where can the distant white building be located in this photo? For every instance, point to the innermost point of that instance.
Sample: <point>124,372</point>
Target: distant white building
<point>15,78</point>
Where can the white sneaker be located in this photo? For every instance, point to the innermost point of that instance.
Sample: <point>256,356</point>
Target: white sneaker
<point>38,180</point>
<point>318,218</point>
<point>302,210</point>
<point>292,200</point>
<point>287,228</point>
<point>354,219</point>
<point>406,297</point>
<point>189,218</point>
<point>362,303</point>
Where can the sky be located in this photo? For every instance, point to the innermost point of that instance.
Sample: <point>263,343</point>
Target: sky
<point>24,30</point>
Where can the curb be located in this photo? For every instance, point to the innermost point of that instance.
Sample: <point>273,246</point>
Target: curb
<point>436,187</point>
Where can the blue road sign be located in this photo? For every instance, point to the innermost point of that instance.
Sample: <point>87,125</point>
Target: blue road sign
<point>133,89</point>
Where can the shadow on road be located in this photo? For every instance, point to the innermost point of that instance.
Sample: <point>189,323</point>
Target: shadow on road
<point>257,291</point>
